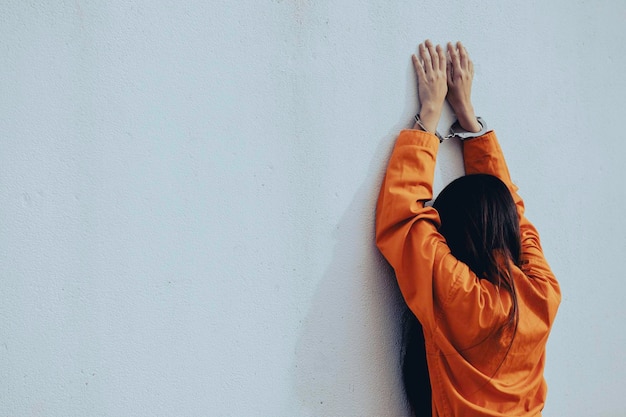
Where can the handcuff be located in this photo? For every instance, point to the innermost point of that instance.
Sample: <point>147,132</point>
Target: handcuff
<point>456,131</point>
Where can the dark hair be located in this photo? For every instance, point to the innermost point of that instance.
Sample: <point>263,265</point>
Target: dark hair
<point>415,376</point>
<point>480,224</point>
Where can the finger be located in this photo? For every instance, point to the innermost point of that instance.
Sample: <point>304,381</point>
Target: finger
<point>433,55</point>
<point>454,56</point>
<point>471,67</point>
<point>419,68</point>
<point>449,73</point>
<point>450,49</point>
<point>425,54</point>
<point>462,54</point>
<point>442,58</point>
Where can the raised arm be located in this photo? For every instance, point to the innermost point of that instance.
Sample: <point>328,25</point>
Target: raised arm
<point>406,230</point>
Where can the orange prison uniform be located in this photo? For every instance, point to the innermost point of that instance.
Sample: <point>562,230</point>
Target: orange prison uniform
<point>463,315</point>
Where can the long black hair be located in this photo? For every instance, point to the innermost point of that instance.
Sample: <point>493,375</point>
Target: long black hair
<point>480,224</point>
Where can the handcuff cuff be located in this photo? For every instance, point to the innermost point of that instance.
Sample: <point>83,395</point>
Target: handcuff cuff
<point>456,131</point>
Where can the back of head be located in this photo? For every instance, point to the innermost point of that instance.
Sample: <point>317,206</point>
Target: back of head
<point>480,224</point>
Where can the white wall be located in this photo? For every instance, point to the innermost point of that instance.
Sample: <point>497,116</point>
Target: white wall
<point>187,192</point>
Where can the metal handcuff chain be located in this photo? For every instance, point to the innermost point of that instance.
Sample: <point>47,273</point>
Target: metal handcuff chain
<point>456,131</point>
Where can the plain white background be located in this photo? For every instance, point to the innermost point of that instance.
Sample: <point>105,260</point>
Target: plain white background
<point>187,195</point>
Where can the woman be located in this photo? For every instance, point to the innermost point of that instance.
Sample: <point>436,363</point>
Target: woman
<point>471,267</point>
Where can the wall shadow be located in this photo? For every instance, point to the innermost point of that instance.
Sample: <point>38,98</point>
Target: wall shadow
<point>347,358</point>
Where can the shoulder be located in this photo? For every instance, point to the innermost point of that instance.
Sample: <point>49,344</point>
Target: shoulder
<point>540,292</point>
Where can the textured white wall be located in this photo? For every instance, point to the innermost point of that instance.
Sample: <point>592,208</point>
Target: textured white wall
<point>187,192</point>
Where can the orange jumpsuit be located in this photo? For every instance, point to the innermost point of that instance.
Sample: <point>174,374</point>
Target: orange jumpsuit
<point>462,315</point>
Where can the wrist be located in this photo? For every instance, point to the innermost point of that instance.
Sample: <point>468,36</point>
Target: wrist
<point>456,131</point>
<point>429,116</point>
<point>467,119</point>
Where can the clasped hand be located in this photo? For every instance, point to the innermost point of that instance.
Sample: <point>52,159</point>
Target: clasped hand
<point>441,77</point>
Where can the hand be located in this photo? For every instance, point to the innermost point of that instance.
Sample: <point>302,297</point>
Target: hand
<point>431,83</point>
<point>460,77</point>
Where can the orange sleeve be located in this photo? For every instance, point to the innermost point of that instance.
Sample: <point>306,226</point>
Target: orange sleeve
<point>484,155</point>
<point>401,216</point>
<point>430,278</point>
